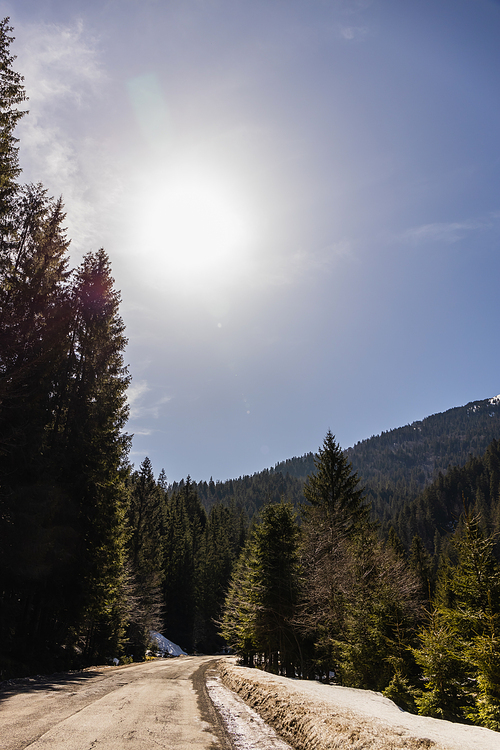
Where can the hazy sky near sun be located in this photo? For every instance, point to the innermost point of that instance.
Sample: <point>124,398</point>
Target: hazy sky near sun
<point>300,200</point>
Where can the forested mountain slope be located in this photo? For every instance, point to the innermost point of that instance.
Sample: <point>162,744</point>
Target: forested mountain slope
<point>250,492</point>
<point>436,511</point>
<point>394,466</point>
<point>397,465</point>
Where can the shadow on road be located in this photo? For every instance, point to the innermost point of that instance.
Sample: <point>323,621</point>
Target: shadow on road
<point>58,681</point>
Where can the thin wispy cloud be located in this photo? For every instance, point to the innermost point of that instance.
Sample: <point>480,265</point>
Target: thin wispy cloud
<point>61,60</point>
<point>65,84</point>
<point>353,32</point>
<point>324,259</point>
<point>135,391</point>
<point>151,412</point>
<point>328,256</point>
<point>140,410</point>
<point>448,232</point>
<point>292,267</point>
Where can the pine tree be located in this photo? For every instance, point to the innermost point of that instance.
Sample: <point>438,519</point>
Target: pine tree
<point>90,435</point>
<point>335,499</point>
<point>420,562</point>
<point>238,623</point>
<point>37,519</point>
<point>146,521</point>
<point>395,543</point>
<point>460,649</point>
<point>34,303</point>
<point>277,581</point>
<point>443,667</point>
<point>476,587</point>
<point>360,602</point>
<point>179,572</point>
<point>336,512</point>
<point>484,653</point>
<point>12,94</point>
<point>260,607</point>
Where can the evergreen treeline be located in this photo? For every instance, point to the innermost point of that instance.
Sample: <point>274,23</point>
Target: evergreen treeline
<point>434,514</point>
<point>250,492</point>
<point>325,598</point>
<point>329,598</point>
<point>180,562</point>
<point>397,465</point>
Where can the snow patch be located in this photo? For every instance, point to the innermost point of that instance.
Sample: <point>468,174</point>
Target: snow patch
<point>165,646</point>
<point>246,728</point>
<point>494,400</point>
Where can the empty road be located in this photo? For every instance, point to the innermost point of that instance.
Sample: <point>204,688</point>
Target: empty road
<point>159,704</point>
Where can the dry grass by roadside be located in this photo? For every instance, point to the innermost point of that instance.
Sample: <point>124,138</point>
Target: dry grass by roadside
<point>310,716</point>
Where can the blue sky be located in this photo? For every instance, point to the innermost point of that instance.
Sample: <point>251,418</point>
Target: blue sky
<point>301,204</point>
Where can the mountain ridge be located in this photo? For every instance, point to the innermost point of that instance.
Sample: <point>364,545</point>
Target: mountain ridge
<point>394,467</point>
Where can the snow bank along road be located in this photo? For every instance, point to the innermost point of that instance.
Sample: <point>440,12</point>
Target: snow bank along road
<point>312,716</point>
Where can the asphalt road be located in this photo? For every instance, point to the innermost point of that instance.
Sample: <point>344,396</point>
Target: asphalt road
<point>159,704</point>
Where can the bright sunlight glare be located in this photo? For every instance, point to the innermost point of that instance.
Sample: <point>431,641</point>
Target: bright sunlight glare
<point>199,230</point>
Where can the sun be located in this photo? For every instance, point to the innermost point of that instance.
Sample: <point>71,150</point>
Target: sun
<point>197,226</point>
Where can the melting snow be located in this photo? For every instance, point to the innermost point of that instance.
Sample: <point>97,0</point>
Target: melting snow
<point>165,646</point>
<point>246,728</point>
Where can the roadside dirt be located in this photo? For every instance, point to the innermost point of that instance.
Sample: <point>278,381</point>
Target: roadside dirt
<point>246,729</point>
<point>208,712</point>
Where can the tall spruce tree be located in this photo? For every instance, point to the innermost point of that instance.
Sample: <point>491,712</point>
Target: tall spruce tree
<point>146,522</point>
<point>238,622</point>
<point>146,519</point>
<point>359,601</point>
<point>37,520</point>
<point>334,496</point>
<point>460,648</point>
<point>277,580</point>
<point>335,513</point>
<point>96,448</point>
<point>12,94</point>
<point>260,607</point>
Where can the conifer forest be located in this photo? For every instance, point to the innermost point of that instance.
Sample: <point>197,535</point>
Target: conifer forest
<point>375,568</point>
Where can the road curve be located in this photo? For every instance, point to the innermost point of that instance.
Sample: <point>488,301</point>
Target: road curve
<point>159,704</point>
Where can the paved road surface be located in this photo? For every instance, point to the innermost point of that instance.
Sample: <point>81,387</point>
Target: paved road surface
<point>159,704</point>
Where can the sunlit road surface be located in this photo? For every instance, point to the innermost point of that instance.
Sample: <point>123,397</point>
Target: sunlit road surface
<point>159,704</point>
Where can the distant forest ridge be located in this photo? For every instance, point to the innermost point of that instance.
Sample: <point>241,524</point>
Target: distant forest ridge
<point>394,467</point>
